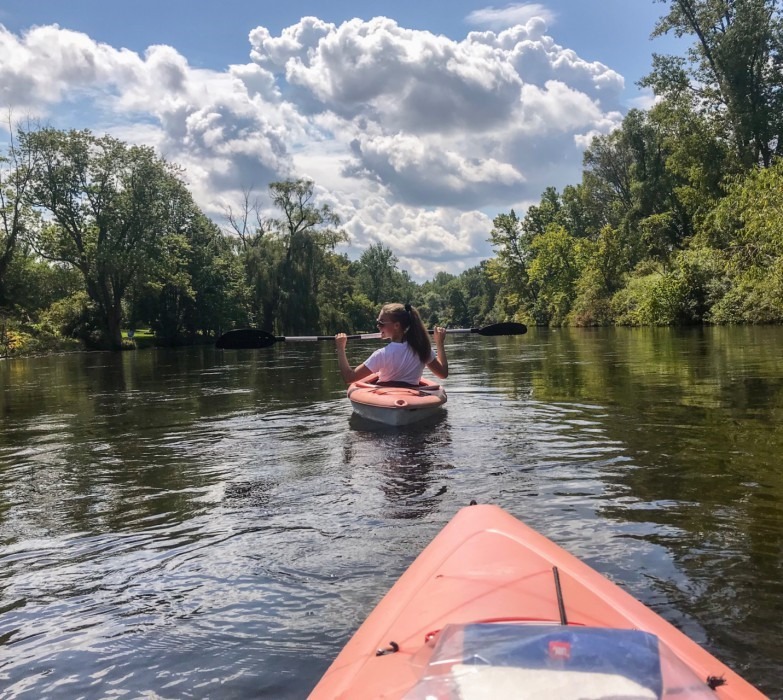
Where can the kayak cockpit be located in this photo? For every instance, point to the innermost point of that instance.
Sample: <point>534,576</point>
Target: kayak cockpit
<point>392,403</point>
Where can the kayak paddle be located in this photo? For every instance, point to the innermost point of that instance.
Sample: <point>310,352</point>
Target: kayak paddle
<point>252,338</point>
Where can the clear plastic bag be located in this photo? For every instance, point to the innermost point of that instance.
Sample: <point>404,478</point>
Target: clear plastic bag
<point>489,661</point>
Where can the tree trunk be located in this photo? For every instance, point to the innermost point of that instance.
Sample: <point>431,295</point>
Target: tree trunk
<point>114,327</point>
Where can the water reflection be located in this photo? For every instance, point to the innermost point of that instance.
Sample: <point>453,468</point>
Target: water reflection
<point>412,462</point>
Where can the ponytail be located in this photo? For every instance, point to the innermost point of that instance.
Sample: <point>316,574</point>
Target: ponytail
<point>413,327</point>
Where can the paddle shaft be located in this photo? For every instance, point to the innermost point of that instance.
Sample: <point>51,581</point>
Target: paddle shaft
<point>249,338</point>
<point>313,338</point>
<point>359,336</point>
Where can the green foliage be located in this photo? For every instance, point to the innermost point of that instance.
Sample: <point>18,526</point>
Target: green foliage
<point>110,207</point>
<point>748,221</point>
<point>626,175</point>
<point>18,339</point>
<point>339,305</point>
<point>73,316</point>
<point>512,244</point>
<point>459,301</point>
<point>554,271</point>
<point>679,296</point>
<point>647,300</point>
<point>31,285</point>
<point>377,268</point>
<point>17,217</point>
<point>677,217</point>
<point>603,273</point>
<point>193,289</point>
<point>288,259</point>
<point>733,71</point>
<point>697,158</point>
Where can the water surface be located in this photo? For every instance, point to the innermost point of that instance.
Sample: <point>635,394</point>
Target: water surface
<point>199,523</point>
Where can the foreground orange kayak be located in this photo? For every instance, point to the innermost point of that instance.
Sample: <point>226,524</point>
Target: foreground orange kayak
<point>396,405</point>
<point>492,609</point>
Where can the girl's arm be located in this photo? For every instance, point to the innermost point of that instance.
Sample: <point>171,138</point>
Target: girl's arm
<point>440,365</point>
<point>348,374</point>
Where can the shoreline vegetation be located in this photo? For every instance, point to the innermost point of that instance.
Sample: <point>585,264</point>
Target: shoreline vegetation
<point>676,221</point>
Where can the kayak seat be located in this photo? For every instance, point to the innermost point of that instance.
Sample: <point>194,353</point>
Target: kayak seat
<point>372,382</point>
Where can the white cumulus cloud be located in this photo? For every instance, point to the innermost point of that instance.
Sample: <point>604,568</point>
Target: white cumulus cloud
<point>416,139</point>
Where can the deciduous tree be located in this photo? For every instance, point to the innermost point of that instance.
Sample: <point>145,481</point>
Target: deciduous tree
<point>108,206</point>
<point>734,70</point>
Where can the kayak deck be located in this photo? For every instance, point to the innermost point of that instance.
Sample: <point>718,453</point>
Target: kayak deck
<point>486,566</point>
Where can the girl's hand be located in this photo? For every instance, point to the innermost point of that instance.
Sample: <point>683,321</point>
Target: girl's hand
<point>440,335</point>
<point>341,340</point>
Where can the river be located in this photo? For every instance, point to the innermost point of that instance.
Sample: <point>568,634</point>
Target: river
<point>201,523</point>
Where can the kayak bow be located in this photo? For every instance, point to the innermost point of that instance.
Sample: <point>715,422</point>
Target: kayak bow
<point>492,609</point>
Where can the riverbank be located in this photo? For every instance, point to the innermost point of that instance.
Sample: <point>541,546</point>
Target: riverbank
<point>20,341</point>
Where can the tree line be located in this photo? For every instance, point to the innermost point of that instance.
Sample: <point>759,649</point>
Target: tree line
<point>99,237</point>
<point>677,219</point>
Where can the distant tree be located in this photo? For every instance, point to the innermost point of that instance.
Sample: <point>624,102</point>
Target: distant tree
<point>195,287</point>
<point>17,218</point>
<point>377,268</point>
<point>109,207</point>
<point>627,174</point>
<point>218,280</point>
<point>481,292</point>
<point>510,268</point>
<point>696,156</point>
<point>32,285</point>
<point>749,219</point>
<point>558,264</point>
<point>606,268</point>
<point>302,237</point>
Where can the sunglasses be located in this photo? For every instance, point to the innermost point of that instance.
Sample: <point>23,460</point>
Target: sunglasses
<point>381,323</point>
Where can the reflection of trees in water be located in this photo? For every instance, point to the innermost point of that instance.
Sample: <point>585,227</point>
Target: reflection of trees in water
<point>501,363</point>
<point>409,462</point>
<point>96,441</point>
<point>700,412</point>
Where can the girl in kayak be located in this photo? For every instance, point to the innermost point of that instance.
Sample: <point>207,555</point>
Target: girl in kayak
<point>402,361</point>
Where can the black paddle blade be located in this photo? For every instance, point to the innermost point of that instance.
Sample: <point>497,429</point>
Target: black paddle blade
<point>505,328</point>
<point>244,339</point>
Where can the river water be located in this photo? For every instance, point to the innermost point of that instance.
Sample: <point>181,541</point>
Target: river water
<point>201,523</point>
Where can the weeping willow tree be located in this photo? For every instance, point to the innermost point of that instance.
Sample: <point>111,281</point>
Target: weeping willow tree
<point>290,257</point>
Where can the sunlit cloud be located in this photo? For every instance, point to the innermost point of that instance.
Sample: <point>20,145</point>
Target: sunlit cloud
<point>501,18</point>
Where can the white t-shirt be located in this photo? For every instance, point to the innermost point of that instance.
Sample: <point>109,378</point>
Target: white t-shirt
<point>397,362</point>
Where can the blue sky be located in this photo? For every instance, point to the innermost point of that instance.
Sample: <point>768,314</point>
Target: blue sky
<point>418,121</point>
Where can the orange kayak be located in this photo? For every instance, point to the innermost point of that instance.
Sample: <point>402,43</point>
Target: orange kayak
<point>396,405</point>
<point>492,609</point>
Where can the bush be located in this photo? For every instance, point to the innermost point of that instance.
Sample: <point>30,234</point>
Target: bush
<point>754,297</point>
<point>72,317</point>
<point>653,300</point>
<point>17,340</point>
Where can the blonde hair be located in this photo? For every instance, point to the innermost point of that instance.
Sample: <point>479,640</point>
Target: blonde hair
<point>413,328</point>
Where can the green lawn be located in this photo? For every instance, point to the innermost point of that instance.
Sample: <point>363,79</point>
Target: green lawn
<point>142,338</point>
<point>140,333</point>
